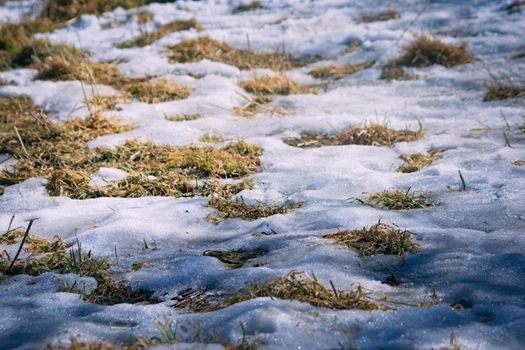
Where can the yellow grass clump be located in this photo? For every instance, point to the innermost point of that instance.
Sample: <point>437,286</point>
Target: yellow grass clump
<point>394,200</point>
<point>425,52</point>
<point>229,208</point>
<point>417,161</point>
<point>377,239</point>
<point>338,72</point>
<point>156,91</point>
<point>149,38</point>
<point>498,92</point>
<point>195,50</point>
<point>371,134</point>
<point>278,84</point>
<point>382,16</point>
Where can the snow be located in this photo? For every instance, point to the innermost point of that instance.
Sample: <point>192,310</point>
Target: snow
<point>472,242</point>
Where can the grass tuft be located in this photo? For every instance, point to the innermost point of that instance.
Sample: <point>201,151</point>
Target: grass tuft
<point>210,138</point>
<point>297,285</point>
<point>425,52</point>
<point>235,258</point>
<point>196,50</point>
<point>519,162</point>
<point>183,117</point>
<point>377,239</point>
<point>417,161</point>
<point>503,92</point>
<point>149,38</point>
<point>371,134</point>
<point>382,16</point>
<point>156,91</point>
<point>395,73</point>
<point>278,84</point>
<point>250,6</point>
<point>238,209</point>
<point>60,154</point>
<point>394,200</point>
<point>338,72</point>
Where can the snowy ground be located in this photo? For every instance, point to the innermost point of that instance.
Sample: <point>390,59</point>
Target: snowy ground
<point>472,242</point>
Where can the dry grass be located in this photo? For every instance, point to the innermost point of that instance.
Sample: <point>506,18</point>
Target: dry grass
<point>519,162</point>
<point>77,344</point>
<point>377,239</point>
<point>258,104</point>
<point>382,16</point>
<point>250,6</point>
<point>238,209</point>
<point>149,38</point>
<point>183,117</point>
<point>64,10</point>
<point>394,200</point>
<point>395,73</point>
<point>59,153</point>
<point>206,48</point>
<point>156,91</point>
<point>371,134</point>
<point>297,285</point>
<point>502,92</point>
<point>417,161</point>
<point>144,16</point>
<point>107,103</point>
<point>338,72</point>
<point>278,84</point>
<point>235,258</point>
<point>68,65</point>
<point>210,138</point>
<point>425,52</point>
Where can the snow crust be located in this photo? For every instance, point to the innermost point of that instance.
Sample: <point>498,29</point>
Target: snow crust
<point>472,242</point>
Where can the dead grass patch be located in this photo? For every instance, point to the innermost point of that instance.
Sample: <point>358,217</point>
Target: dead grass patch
<point>377,239</point>
<point>210,138</point>
<point>417,161</point>
<point>235,258</point>
<point>395,73</point>
<point>382,16</point>
<point>278,84</point>
<point>64,10</point>
<point>107,103</point>
<point>183,117</point>
<point>394,200</point>
<point>258,104</point>
<point>497,92</point>
<point>519,162</point>
<point>196,50</point>
<point>144,16</point>
<point>425,52</point>
<point>59,153</point>
<point>338,72</point>
<point>229,208</point>
<point>250,6</point>
<point>149,38</point>
<point>156,91</point>
<point>297,285</point>
<point>371,134</point>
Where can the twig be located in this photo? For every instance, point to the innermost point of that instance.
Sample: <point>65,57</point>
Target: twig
<point>506,138</point>
<point>335,290</point>
<point>21,142</point>
<point>462,180</point>
<point>21,244</point>
<point>10,223</point>
<point>116,256</point>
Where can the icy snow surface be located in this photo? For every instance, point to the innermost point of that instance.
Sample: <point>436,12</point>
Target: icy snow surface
<point>472,242</point>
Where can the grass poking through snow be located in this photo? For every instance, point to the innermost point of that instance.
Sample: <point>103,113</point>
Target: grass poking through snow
<point>229,208</point>
<point>149,38</point>
<point>503,92</point>
<point>371,134</point>
<point>382,16</point>
<point>377,239</point>
<point>338,72</point>
<point>278,84</point>
<point>195,50</point>
<point>425,52</point>
<point>394,200</point>
<point>235,258</point>
<point>417,161</point>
